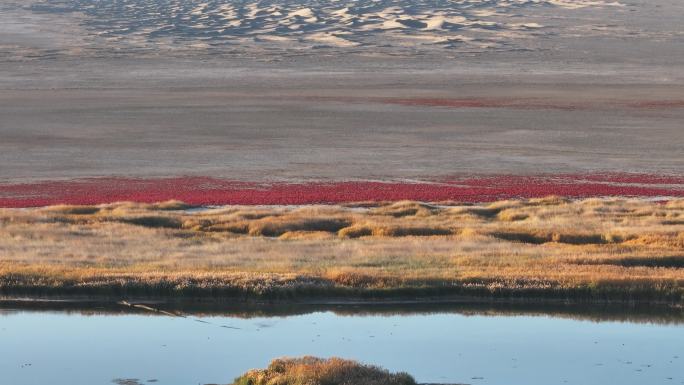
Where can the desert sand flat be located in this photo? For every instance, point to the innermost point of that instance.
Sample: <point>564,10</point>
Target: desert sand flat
<point>239,92</point>
<point>297,125</point>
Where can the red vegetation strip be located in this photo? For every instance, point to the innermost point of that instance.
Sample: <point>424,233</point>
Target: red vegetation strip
<point>213,191</point>
<point>532,103</point>
<point>485,103</point>
<point>512,103</point>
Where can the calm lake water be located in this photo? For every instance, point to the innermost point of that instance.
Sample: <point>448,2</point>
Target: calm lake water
<point>91,347</point>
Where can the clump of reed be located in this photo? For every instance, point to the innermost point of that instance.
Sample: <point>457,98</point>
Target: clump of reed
<point>317,371</point>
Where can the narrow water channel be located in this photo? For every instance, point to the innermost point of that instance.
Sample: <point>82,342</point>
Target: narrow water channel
<point>105,346</point>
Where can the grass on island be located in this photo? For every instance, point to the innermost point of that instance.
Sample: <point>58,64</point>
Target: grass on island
<point>317,371</point>
<point>586,250</point>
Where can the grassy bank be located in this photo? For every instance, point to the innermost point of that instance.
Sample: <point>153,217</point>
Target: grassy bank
<point>586,251</point>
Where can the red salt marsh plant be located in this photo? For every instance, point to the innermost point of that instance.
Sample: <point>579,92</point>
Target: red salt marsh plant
<point>529,103</point>
<point>214,191</point>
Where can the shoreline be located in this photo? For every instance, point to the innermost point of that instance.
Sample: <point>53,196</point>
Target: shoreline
<point>327,293</point>
<point>176,307</point>
<point>57,299</point>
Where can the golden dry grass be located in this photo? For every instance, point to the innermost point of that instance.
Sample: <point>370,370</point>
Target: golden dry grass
<point>317,371</point>
<point>594,250</point>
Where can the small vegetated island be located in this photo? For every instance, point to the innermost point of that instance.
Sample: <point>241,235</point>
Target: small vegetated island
<point>552,249</point>
<point>317,371</point>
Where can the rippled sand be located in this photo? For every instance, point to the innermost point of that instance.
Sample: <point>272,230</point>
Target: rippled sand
<point>388,26</point>
<point>49,28</point>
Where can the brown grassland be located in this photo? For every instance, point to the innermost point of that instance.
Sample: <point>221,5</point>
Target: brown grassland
<point>592,250</point>
<point>316,371</point>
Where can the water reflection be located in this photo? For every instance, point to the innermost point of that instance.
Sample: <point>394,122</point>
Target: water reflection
<point>89,344</point>
<point>640,313</point>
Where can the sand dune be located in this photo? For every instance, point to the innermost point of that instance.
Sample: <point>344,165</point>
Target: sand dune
<point>215,24</point>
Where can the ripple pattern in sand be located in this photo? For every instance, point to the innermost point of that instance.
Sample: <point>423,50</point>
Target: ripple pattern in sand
<point>380,24</point>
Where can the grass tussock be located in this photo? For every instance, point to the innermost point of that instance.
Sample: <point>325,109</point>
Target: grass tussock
<point>670,239</point>
<point>356,231</point>
<point>317,371</point>
<point>299,235</point>
<point>593,250</point>
<point>541,237</point>
<point>409,231</point>
<point>153,221</point>
<point>405,209</point>
<point>366,230</point>
<point>72,210</point>
<point>675,261</point>
<point>172,205</point>
<point>273,227</point>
